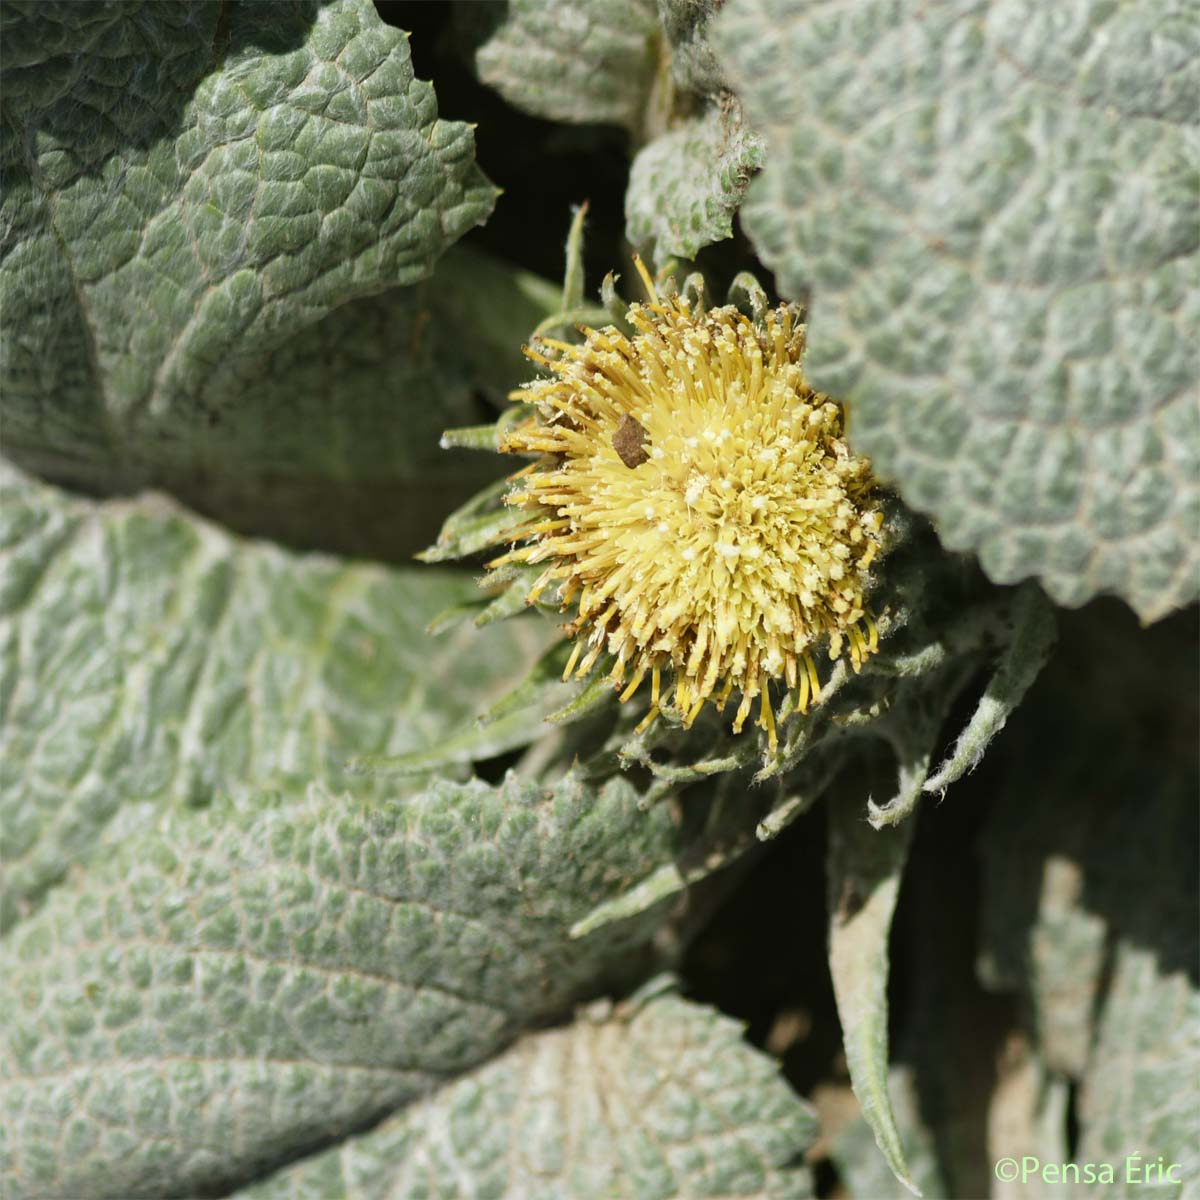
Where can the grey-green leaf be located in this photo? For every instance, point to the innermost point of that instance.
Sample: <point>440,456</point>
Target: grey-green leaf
<point>862,1170</point>
<point>660,1098</point>
<point>149,661</point>
<point>864,867</point>
<point>1141,1082</point>
<point>1089,913</point>
<point>333,440</point>
<point>993,206</point>
<point>685,186</point>
<point>224,989</point>
<point>1090,874</point>
<point>694,66</point>
<point>594,62</point>
<point>187,189</point>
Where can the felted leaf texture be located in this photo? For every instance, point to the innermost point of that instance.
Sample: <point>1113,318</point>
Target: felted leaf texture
<point>992,206</point>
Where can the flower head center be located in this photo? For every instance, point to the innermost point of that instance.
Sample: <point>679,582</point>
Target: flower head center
<point>698,503</point>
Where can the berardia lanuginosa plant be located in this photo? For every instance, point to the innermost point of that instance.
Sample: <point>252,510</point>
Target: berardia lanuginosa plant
<point>328,874</point>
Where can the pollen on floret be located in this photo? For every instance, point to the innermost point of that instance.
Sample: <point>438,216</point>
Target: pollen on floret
<point>699,508</point>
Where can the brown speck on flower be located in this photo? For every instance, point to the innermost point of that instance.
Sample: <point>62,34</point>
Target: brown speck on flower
<point>697,504</point>
<point>630,442</point>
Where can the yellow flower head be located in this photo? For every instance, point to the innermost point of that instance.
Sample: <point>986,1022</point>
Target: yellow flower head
<point>698,504</point>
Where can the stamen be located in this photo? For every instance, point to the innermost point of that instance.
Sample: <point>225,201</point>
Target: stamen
<point>814,681</point>
<point>634,684</point>
<point>767,718</point>
<point>647,281</point>
<point>802,693</point>
<point>576,650</point>
<point>647,720</point>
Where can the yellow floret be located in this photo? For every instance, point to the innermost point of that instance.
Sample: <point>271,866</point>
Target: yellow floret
<point>698,504</point>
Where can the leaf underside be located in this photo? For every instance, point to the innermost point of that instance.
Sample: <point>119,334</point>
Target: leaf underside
<point>664,1101</point>
<point>225,988</point>
<point>150,662</point>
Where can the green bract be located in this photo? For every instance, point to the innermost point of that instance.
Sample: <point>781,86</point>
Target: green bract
<point>568,62</point>
<point>685,186</point>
